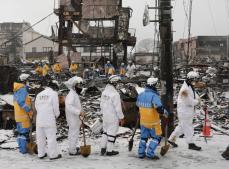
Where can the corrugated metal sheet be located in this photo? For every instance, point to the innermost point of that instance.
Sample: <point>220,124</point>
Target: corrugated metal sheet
<point>96,9</point>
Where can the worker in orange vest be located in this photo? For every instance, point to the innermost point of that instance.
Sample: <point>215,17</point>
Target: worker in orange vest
<point>122,70</point>
<point>73,67</point>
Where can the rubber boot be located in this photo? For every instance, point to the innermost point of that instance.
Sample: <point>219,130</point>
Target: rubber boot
<point>192,146</point>
<point>59,156</point>
<point>112,153</point>
<point>103,151</point>
<point>225,154</point>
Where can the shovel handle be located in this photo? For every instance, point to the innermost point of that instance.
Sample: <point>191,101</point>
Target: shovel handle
<point>84,139</point>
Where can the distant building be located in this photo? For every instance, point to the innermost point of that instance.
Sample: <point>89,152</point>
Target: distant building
<point>202,49</point>
<point>18,40</point>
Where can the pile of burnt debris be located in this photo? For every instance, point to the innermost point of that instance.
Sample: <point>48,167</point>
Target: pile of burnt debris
<point>213,96</point>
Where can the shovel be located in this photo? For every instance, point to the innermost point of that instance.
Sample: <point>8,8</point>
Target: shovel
<point>165,148</point>
<point>31,146</point>
<point>131,142</point>
<point>85,150</point>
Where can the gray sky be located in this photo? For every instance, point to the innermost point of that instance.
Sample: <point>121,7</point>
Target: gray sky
<point>209,17</point>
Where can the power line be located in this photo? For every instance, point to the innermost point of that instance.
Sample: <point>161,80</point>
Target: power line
<point>19,33</point>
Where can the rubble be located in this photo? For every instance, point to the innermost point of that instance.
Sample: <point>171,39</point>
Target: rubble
<point>216,99</point>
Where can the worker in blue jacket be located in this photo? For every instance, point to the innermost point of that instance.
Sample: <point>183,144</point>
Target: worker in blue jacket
<point>150,108</point>
<point>22,111</point>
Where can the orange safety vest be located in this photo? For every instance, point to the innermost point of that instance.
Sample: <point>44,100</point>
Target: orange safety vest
<point>149,118</point>
<point>73,67</point>
<point>20,114</point>
<point>57,68</point>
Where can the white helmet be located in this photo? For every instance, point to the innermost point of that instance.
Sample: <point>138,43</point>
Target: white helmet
<point>73,81</point>
<point>122,64</point>
<point>152,81</point>
<point>114,79</point>
<point>79,80</point>
<point>108,62</point>
<point>193,75</point>
<point>23,77</point>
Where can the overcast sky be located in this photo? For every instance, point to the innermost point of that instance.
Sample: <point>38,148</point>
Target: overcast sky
<point>209,17</point>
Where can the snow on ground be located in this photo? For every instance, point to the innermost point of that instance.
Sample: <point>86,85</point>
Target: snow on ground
<point>176,158</point>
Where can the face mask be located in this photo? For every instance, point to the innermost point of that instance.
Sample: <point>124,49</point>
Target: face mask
<point>78,90</point>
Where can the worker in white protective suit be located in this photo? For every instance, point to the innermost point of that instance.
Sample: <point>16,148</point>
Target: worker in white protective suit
<point>187,100</point>
<point>73,112</point>
<point>112,115</point>
<point>47,106</point>
<point>130,69</point>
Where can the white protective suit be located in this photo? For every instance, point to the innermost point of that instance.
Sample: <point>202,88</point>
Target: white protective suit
<point>130,70</point>
<point>47,106</point>
<point>72,110</point>
<point>112,112</point>
<point>185,112</point>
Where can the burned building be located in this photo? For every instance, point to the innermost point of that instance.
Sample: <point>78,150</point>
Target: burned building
<point>101,24</point>
<point>202,49</point>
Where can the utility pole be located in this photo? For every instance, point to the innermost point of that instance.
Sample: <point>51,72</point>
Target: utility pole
<point>166,63</point>
<point>188,57</point>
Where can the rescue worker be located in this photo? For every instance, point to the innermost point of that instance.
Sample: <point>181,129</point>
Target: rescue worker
<point>47,106</point>
<point>45,69</point>
<point>111,70</point>
<point>39,70</point>
<point>73,112</point>
<point>73,67</point>
<point>57,68</point>
<point>187,99</point>
<point>112,115</point>
<point>225,154</point>
<point>130,69</point>
<point>22,110</point>
<point>122,70</point>
<point>107,65</point>
<point>150,107</point>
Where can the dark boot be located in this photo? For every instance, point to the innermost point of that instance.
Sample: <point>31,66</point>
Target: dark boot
<point>103,151</point>
<point>154,158</point>
<point>192,146</point>
<point>112,153</point>
<point>225,154</point>
<point>172,143</point>
<point>54,158</point>
<point>43,156</point>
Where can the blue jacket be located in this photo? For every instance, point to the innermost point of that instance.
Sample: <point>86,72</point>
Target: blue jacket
<point>149,99</point>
